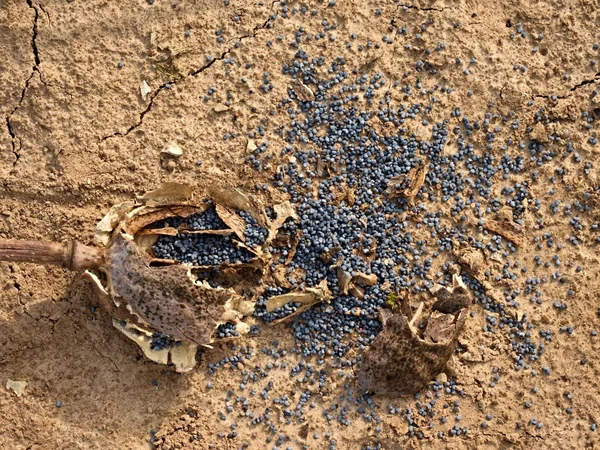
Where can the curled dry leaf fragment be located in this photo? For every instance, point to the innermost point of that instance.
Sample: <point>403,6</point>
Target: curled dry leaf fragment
<point>143,338</point>
<point>354,284</point>
<point>365,280</point>
<point>344,280</point>
<point>234,198</point>
<point>109,222</point>
<point>144,89</point>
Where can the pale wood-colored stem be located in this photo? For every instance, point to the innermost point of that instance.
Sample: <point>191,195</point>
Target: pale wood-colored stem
<point>71,255</point>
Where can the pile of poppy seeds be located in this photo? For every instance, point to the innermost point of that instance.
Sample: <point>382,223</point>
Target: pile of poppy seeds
<point>344,146</point>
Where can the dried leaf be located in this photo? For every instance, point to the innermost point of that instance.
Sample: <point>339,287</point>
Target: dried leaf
<point>18,387</point>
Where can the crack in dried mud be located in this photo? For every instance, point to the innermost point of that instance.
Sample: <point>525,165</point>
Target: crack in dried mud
<point>573,89</point>
<point>16,150</point>
<point>192,73</point>
<point>419,8</point>
<point>34,35</point>
<point>585,82</point>
<point>107,357</point>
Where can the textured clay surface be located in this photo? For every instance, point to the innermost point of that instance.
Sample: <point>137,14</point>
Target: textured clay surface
<point>76,137</point>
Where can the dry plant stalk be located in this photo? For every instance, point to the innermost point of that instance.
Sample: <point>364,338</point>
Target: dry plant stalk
<point>70,255</point>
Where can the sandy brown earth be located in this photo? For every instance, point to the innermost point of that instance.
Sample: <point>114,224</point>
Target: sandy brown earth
<point>77,137</point>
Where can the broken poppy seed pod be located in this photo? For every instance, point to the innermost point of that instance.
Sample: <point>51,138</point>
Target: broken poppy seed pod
<point>170,267</point>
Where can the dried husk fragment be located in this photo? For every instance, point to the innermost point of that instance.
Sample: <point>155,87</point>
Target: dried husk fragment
<point>109,222</point>
<point>308,297</point>
<point>233,220</point>
<point>508,230</point>
<point>234,198</point>
<point>450,300</point>
<point>18,387</point>
<point>400,361</point>
<point>407,185</point>
<point>302,91</point>
<point>283,212</point>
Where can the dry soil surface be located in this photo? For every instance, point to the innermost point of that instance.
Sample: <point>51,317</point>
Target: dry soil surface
<point>77,137</point>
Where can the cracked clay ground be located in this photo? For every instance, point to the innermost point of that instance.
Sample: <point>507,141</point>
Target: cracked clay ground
<point>77,137</point>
